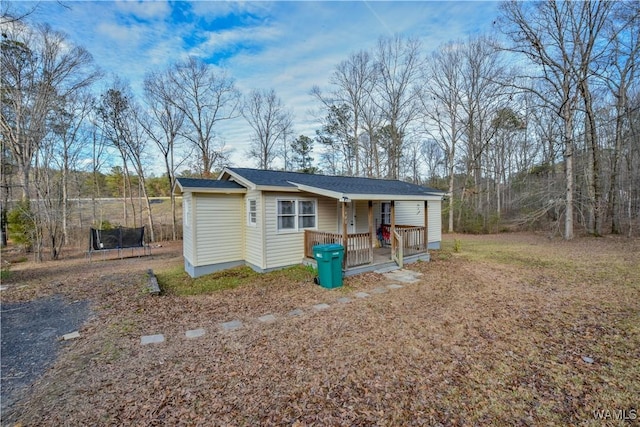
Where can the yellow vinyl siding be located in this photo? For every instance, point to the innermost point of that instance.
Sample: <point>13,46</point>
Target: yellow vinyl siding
<point>219,228</point>
<point>253,252</point>
<point>187,226</point>
<point>411,213</point>
<point>327,214</point>
<point>282,248</point>
<point>435,221</point>
<point>287,247</point>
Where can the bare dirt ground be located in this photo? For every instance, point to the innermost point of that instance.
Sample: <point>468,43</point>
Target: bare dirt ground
<point>513,329</point>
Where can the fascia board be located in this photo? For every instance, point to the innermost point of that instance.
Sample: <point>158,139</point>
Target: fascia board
<point>199,190</point>
<point>320,191</point>
<point>238,178</point>
<point>277,188</point>
<point>383,197</point>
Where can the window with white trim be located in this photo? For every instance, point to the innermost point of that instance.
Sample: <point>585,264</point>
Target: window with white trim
<point>186,211</point>
<point>296,214</point>
<point>252,212</point>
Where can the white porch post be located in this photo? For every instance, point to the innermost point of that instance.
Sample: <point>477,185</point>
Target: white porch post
<point>371,235</point>
<point>393,225</point>
<point>426,226</point>
<point>344,234</point>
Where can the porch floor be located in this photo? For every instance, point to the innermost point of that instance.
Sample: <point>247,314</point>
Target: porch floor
<point>381,255</point>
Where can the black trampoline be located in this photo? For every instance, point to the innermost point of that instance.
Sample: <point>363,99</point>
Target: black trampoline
<point>117,239</point>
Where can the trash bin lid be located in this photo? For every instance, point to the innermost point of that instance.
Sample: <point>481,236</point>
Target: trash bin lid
<point>327,247</point>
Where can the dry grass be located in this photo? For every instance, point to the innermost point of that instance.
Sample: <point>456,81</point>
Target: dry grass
<point>494,334</point>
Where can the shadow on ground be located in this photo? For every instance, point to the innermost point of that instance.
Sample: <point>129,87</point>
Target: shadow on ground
<point>31,338</point>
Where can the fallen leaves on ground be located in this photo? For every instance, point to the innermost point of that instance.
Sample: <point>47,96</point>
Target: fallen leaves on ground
<point>494,334</point>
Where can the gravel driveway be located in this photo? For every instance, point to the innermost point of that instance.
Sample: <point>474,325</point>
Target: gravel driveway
<point>31,338</point>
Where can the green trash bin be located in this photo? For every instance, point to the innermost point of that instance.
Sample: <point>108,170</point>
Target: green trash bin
<point>329,258</point>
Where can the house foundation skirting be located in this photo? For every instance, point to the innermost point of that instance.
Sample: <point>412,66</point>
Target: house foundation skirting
<point>201,270</point>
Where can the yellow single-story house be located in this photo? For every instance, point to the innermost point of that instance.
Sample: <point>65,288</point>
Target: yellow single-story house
<point>272,219</point>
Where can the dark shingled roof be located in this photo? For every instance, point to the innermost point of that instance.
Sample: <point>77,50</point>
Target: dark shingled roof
<point>340,184</point>
<point>207,183</point>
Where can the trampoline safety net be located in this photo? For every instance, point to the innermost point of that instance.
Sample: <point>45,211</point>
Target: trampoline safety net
<point>116,239</point>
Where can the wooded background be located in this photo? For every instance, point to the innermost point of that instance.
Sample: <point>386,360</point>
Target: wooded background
<point>534,126</point>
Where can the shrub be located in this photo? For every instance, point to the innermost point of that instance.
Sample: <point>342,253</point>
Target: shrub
<point>21,224</point>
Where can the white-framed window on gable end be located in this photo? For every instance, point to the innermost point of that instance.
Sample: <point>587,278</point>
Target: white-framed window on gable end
<point>186,211</point>
<point>252,212</point>
<point>296,214</point>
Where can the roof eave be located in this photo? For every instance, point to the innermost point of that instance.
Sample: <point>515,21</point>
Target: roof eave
<point>238,178</point>
<point>395,197</point>
<point>201,190</point>
<point>319,191</point>
<point>277,188</point>
<point>347,197</point>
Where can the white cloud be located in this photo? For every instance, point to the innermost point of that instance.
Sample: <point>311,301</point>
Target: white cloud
<point>149,10</point>
<point>287,46</point>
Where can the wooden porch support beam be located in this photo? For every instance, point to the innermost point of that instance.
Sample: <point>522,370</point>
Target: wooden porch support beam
<point>344,234</point>
<point>393,225</point>
<point>426,226</point>
<point>371,235</point>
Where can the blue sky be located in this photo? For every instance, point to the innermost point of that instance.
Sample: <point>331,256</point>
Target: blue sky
<point>285,46</point>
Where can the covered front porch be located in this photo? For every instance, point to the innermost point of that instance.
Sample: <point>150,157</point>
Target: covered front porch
<point>388,245</point>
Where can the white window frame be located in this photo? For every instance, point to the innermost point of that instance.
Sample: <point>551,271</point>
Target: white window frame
<point>297,215</point>
<point>186,211</point>
<point>252,215</point>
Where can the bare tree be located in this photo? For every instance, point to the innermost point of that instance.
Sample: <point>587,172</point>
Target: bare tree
<point>335,136</point>
<point>398,65</point>
<point>441,105</point>
<point>483,96</point>
<point>39,68</point>
<point>69,123</point>
<point>164,125</point>
<point>352,82</point>
<point>372,120</point>
<point>286,150</point>
<point>8,14</point>
<point>114,116</point>
<point>433,156</point>
<point>205,97</point>
<point>620,78</point>
<point>559,38</point>
<point>122,126</point>
<point>270,121</point>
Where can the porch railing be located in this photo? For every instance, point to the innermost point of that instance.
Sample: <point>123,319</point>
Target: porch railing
<point>412,239</point>
<point>409,240</point>
<point>358,250</point>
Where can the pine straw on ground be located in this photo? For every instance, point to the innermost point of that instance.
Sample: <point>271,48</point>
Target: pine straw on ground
<point>494,334</point>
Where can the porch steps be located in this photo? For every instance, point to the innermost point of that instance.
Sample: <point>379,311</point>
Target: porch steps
<point>383,270</point>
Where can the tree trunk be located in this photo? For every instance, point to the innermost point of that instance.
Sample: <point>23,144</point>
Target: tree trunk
<point>451,184</point>
<point>591,139</point>
<point>568,162</point>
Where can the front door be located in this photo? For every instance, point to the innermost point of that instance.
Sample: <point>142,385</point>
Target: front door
<point>351,218</point>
